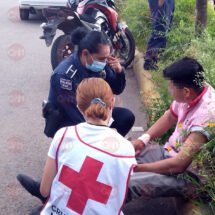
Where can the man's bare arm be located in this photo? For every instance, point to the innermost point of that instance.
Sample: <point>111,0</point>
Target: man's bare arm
<point>160,127</point>
<point>49,173</point>
<point>179,163</point>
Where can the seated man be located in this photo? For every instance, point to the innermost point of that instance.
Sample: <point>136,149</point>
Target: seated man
<point>157,173</point>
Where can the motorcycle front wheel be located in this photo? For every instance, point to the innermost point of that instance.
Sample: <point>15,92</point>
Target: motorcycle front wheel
<point>124,47</point>
<point>61,49</point>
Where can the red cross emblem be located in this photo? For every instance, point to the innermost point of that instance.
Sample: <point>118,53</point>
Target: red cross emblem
<point>84,185</point>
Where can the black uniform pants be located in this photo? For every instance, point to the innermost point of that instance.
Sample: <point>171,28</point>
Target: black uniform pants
<point>123,120</point>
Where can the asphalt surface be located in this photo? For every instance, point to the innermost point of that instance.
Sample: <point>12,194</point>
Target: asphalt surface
<point>25,72</point>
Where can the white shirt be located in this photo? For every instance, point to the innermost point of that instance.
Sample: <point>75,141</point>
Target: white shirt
<point>94,165</point>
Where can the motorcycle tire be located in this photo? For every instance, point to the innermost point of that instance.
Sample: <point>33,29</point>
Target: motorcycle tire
<point>24,14</point>
<point>125,52</point>
<point>61,49</point>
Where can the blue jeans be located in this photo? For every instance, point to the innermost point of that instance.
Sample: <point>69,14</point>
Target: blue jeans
<point>161,23</point>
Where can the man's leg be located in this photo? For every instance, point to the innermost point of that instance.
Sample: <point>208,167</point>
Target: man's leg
<point>123,120</point>
<point>150,185</point>
<point>161,22</point>
<point>151,153</point>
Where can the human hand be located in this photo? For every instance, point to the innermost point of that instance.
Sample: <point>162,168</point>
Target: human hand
<point>137,168</point>
<point>114,63</point>
<point>138,146</point>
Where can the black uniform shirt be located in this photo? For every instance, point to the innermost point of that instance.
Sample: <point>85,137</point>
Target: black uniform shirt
<point>65,79</point>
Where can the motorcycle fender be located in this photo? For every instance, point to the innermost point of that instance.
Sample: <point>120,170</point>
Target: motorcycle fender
<point>122,26</point>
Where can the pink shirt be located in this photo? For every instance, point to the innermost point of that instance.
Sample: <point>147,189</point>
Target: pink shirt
<point>197,116</point>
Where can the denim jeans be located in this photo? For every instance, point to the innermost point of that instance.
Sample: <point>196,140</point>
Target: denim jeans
<point>161,23</point>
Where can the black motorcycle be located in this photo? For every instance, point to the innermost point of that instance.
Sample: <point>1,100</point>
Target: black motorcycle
<point>99,15</point>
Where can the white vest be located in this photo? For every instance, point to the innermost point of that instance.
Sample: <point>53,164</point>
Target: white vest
<point>93,172</point>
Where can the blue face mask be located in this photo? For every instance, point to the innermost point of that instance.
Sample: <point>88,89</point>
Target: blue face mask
<point>96,66</point>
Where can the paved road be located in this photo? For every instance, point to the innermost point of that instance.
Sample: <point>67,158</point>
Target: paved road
<point>25,72</point>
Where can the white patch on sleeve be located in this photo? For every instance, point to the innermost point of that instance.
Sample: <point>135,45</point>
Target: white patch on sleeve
<point>65,84</point>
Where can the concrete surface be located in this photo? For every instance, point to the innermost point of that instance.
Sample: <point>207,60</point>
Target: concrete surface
<point>144,79</point>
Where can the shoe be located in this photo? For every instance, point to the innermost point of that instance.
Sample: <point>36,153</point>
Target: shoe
<point>150,65</point>
<point>33,187</point>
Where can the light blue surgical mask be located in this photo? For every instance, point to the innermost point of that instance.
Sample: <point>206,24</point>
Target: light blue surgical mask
<point>96,66</point>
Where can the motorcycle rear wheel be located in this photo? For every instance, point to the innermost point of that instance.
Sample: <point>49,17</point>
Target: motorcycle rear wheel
<point>61,49</point>
<point>124,47</point>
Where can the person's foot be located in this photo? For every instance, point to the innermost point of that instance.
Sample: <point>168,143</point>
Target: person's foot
<point>33,187</point>
<point>150,65</point>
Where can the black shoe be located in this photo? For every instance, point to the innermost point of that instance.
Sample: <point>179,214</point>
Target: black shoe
<point>150,65</point>
<point>33,187</point>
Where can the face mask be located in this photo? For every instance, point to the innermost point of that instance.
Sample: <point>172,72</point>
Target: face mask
<point>96,66</point>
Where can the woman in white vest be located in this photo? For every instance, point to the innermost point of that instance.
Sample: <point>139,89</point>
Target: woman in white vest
<point>88,165</point>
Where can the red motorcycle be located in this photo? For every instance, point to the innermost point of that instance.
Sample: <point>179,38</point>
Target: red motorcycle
<point>97,15</point>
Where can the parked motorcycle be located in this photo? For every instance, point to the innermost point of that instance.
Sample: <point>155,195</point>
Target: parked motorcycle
<point>99,15</point>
